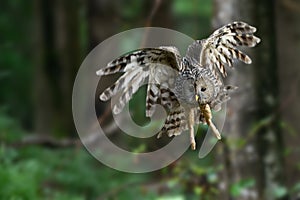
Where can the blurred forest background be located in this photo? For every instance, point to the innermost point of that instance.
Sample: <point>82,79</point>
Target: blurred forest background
<point>42,45</point>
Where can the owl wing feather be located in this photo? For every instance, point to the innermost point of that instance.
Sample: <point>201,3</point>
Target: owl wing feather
<point>157,67</point>
<point>175,122</point>
<point>220,48</point>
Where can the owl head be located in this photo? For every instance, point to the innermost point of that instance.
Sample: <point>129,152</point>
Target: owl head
<point>205,90</point>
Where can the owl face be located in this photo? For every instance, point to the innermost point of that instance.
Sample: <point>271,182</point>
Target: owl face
<point>205,90</point>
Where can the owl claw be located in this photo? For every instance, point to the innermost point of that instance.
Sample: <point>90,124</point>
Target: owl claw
<point>159,135</point>
<point>193,143</point>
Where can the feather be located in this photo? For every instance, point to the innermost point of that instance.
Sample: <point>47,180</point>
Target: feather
<point>154,64</point>
<point>122,83</point>
<point>235,27</point>
<point>141,58</point>
<point>153,92</point>
<point>174,123</point>
<point>219,49</point>
<point>136,82</point>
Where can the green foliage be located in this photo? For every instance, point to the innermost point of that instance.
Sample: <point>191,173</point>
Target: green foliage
<point>194,7</point>
<point>38,173</point>
<point>178,197</point>
<point>130,9</point>
<point>280,192</point>
<point>19,181</point>
<point>10,129</point>
<point>195,178</point>
<point>237,188</point>
<point>193,17</point>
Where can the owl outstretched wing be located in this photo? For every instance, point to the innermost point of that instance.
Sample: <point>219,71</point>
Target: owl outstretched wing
<point>156,67</point>
<point>220,48</point>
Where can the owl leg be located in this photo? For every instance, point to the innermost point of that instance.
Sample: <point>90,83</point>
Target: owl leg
<point>205,109</point>
<point>191,122</point>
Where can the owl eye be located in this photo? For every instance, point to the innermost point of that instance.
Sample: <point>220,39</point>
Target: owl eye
<point>203,89</point>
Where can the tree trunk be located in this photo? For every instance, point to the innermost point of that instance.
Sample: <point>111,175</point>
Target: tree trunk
<point>43,55</point>
<point>69,57</point>
<point>57,60</point>
<point>253,110</point>
<point>269,139</point>
<point>288,51</point>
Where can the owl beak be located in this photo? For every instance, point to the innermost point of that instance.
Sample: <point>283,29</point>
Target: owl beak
<point>198,97</point>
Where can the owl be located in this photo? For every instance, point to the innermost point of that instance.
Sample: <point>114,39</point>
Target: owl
<point>188,87</point>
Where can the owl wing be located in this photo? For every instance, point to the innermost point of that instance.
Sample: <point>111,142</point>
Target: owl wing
<point>220,48</point>
<point>157,67</point>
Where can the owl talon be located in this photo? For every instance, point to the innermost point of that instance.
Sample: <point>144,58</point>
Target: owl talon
<point>159,135</point>
<point>193,144</point>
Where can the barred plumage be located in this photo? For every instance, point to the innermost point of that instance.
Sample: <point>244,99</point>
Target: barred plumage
<point>187,87</point>
<point>220,48</point>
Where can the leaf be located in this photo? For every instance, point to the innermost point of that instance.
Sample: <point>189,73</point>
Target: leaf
<point>198,190</point>
<point>237,188</point>
<point>280,191</point>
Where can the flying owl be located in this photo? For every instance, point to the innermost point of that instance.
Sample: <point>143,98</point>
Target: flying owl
<point>189,86</point>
